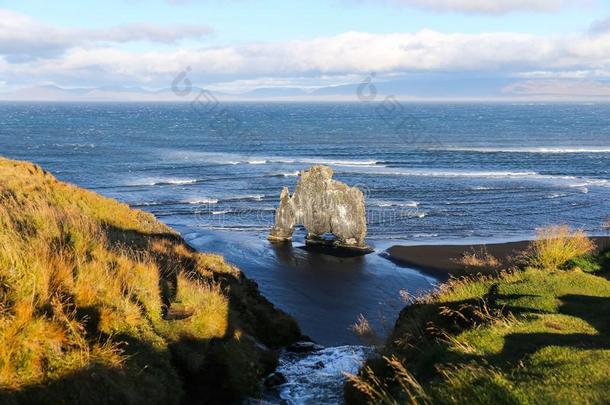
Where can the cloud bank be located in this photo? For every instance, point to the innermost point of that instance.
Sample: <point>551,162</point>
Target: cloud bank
<point>33,53</point>
<point>492,6</point>
<point>23,38</point>
<point>350,52</point>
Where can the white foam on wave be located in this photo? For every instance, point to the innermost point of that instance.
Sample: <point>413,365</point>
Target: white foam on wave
<point>425,235</point>
<point>255,197</point>
<point>159,182</point>
<point>235,158</point>
<point>452,173</point>
<point>203,201</point>
<point>483,174</point>
<point>220,212</point>
<point>286,174</point>
<point>585,182</point>
<point>176,181</point>
<point>347,163</point>
<point>598,182</point>
<point>235,228</point>
<point>181,156</point>
<point>548,150</point>
<point>384,204</point>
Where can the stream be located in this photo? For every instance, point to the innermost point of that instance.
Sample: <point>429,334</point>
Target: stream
<point>325,294</point>
<point>317,377</point>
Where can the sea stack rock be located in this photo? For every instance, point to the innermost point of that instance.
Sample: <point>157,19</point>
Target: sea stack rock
<point>324,207</point>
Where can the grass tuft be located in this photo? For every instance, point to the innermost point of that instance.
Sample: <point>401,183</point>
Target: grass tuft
<point>377,391</point>
<point>480,259</point>
<point>556,245</point>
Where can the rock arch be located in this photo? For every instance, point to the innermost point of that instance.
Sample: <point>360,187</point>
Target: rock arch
<point>323,206</point>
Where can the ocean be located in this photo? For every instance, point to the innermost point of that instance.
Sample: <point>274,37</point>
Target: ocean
<point>431,173</point>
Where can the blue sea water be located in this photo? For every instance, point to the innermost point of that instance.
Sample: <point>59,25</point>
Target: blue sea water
<point>432,173</point>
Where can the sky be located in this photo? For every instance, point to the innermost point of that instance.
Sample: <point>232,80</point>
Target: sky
<point>420,49</point>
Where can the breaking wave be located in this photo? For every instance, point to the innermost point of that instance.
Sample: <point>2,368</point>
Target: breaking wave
<point>529,150</point>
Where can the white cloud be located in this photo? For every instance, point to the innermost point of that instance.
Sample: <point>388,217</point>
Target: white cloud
<point>148,32</point>
<point>492,6</point>
<point>568,74</point>
<point>347,53</point>
<point>600,26</point>
<point>35,53</point>
<point>473,6</point>
<point>23,38</point>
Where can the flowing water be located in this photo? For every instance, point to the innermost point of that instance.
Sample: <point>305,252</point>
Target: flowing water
<point>432,173</point>
<point>316,378</point>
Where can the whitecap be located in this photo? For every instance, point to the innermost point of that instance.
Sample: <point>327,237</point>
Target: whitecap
<point>542,150</point>
<point>291,174</point>
<point>285,174</point>
<point>255,197</point>
<point>597,182</point>
<point>203,201</point>
<point>455,173</point>
<point>175,181</point>
<point>347,163</point>
<point>234,158</point>
<point>383,204</point>
<point>159,182</point>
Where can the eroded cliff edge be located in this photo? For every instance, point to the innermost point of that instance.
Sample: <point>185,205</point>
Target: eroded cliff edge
<point>102,303</point>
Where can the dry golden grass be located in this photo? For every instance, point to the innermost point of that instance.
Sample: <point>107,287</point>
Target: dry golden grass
<point>378,392</point>
<point>478,259</point>
<point>78,270</point>
<point>556,245</point>
<point>364,331</point>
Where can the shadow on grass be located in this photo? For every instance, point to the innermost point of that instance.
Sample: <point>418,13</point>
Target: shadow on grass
<point>425,340</point>
<point>183,369</point>
<point>517,346</point>
<point>593,310</point>
<point>466,314</point>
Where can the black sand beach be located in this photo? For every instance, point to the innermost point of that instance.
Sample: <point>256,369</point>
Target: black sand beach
<point>442,261</point>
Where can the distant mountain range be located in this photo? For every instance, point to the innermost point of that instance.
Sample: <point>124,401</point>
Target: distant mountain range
<point>417,87</point>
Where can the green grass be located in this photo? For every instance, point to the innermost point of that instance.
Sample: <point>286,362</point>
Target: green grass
<point>101,303</point>
<point>528,336</point>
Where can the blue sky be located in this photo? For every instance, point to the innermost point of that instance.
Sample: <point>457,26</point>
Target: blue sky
<point>553,48</point>
<point>251,20</point>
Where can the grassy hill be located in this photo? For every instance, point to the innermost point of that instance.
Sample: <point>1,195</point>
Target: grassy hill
<point>100,303</point>
<point>537,334</point>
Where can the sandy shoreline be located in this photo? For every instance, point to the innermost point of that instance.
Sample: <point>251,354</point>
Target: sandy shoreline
<point>441,261</point>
